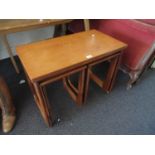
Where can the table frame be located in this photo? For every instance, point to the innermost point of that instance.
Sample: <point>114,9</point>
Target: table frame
<point>79,95</point>
<point>40,95</point>
<point>109,81</point>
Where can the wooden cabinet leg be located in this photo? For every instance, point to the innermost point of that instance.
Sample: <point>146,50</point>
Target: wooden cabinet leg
<point>4,38</point>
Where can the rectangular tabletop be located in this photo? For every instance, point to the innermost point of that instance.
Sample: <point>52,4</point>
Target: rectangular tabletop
<point>15,25</point>
<point>49,56</point>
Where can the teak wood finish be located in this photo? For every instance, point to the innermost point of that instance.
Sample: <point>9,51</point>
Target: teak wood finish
<point>16,25</point>
<point>50,60</point>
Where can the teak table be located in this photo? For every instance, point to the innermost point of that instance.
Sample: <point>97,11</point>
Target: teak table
<point>59,58</point>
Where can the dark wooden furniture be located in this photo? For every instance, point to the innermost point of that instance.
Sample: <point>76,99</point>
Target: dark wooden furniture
<point>47,61</point>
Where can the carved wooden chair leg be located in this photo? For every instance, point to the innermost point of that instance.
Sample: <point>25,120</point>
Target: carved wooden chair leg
<point>135,75</point>
<point>145,64</point>
<point>133,79</point>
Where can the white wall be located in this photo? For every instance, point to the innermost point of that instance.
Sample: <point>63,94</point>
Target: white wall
<point>25,37</point>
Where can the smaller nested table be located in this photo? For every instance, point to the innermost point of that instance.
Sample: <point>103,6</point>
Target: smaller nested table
<point>59,58</point>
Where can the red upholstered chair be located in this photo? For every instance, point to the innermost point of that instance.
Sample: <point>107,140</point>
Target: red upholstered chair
<point>138,34</point>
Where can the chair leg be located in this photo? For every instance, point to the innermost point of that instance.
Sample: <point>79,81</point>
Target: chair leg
<point>133,79</point>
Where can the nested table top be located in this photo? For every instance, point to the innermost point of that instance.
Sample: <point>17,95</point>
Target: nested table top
<point>49,56</point>
<point>14,25</point>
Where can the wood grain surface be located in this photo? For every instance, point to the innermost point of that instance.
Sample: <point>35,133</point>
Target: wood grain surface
<point>48,56</point>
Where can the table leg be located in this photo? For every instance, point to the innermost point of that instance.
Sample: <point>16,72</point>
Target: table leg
<point>43,104</point>
<point>39,95</point>
<point>86,24</point>
<point>112,72</point>
<point>47,104</point>
<point>63,29</point>
<point>81,86</point>
<point>77,94</point>
<point>59,30</point>
<point>86,85</point>
<point>108,83</point>
<point>10,53</point>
